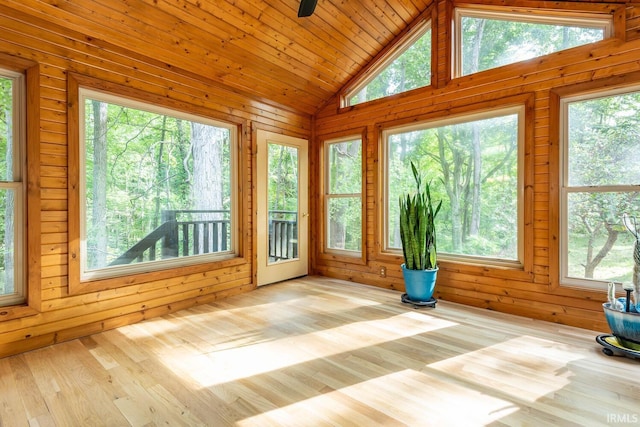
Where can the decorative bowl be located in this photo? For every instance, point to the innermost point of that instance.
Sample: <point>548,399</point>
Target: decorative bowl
<point>624,325</point>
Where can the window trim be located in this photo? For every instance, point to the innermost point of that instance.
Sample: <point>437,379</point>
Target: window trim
<point>380,63</point>
<point>17,185</point>
<point>562,100</point>
<point>545,16</point>
<point>125,270</point>
<point>31,252</point>
<point>523,106</point>
<point>326,196</point>
<point>78,284</point>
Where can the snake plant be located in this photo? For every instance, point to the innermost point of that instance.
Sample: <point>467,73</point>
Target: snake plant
<point>417,226</point>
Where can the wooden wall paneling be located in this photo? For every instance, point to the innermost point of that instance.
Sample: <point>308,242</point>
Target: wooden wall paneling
<point>94,316</point>
<point>484,84</point>
<point>536,294</point>
<point>369,38</point>
<point>252,141</point>
<point>58,52</point>
<point>241,31</point>
<point>316,199</point>
<point>33,182</point>
<point>172,33</point>
<point>442,42</point>
<point>633,21</point>
<point>239,36</point>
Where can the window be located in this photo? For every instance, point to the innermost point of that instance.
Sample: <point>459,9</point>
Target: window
<point>343,195</point>
<point>488,39</point>
<point>600,182</point>
<point>12,287</point>
<point>404,68</point>
<point>157,187</point>
<point>474,165</point>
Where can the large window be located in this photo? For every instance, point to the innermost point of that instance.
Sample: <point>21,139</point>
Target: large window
<point>12,287</point>
<point>487,39</point>
<point>600,182</point>
<point>404,68</point>
<point>474,166</point>
<point>157,187</point>
<point>343,195</point>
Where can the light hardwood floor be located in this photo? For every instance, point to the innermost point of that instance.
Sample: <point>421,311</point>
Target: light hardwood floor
<point>316,352</point>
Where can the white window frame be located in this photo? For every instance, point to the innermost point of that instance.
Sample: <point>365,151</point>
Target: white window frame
<point>387,59</point>
<point>17,186</point>
<point>328,196</point>
<point>122,270</point>
<point>523,15</point>
<point>565,189</point>
<point>462,118</point>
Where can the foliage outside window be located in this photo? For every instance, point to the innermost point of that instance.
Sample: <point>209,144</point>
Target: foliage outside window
<point>283,194</point>
<point>601,181</point>
<point>473,164</point>
<point>12,288</point>
<point>489,39</point>
<point>157,187</point>
<point>407,68</point>
<point>343,195</point>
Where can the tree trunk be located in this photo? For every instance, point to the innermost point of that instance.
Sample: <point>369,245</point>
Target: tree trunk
<point>452,184</point>
<point>474,61</point>
<point>592,264</point>
<point>207,172</point>
<point>98,253</point>
<point>161,174</point>
<point>336,227</point>
<point>207,166</point>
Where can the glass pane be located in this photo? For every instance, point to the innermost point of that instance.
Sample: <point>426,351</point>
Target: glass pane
<point>344,229</point>
<point>282,200</point>
<point>345,167</point>
<point>604,141</point>
<point>473,169</point>
<point>6,129</point>
<point>599,247</point>
<point>409,71</point>
<point>7,242</point>
<point>157,186</point>
<point>490,43</point>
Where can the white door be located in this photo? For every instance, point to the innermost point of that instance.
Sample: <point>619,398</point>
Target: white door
<point>282,205</point>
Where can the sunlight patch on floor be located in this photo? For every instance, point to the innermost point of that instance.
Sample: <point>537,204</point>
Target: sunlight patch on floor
<point>393,397</point>
<point>506,366</point>
<point>230,364</point>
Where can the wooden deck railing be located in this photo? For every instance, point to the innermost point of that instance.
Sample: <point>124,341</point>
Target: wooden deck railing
<point>192,232</point>
<point>182,233</point>
<point>283,235</point>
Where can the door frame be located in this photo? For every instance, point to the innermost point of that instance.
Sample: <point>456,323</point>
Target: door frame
<point>275,272</point>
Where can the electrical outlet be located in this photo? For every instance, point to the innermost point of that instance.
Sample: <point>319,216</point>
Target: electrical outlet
<point>383,271</point>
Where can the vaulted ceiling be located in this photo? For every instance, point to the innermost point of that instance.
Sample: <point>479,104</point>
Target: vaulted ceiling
<point>253,46</point>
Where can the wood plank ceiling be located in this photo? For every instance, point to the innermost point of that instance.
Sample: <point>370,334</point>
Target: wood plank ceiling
<point>256,47</point>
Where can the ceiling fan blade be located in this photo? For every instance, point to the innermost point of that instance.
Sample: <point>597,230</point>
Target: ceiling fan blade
<point>306,8</point>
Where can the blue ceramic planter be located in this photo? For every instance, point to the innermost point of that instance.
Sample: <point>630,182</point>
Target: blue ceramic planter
<point>625,326</point>
<point>419,284</point>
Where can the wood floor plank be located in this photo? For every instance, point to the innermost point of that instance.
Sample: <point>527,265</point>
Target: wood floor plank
<point>323,352</point>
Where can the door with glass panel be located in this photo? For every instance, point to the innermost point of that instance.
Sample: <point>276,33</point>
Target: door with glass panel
<point>282,207</point>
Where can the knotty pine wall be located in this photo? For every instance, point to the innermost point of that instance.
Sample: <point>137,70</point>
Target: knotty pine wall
<point>533,292</point>
<point>51,55</point>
